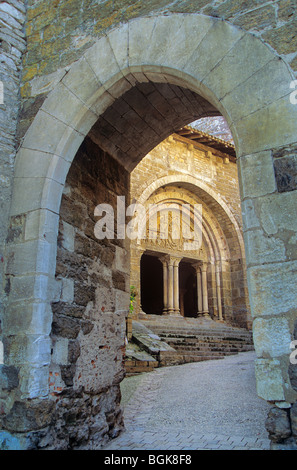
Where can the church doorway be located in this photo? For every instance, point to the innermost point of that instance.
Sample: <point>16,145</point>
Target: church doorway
<point>187,290</point>
<point>151,285</point>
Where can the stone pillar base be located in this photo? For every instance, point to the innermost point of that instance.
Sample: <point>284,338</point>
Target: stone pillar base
<point>174,313</point>
<point>206,315</point>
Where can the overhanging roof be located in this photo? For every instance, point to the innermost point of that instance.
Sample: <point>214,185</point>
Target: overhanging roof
<point>206,140</point>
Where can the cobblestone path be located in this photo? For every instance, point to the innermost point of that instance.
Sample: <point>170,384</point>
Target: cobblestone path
<point>205,405</point>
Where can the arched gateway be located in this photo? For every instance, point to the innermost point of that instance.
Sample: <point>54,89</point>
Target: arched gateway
<point>52,357</point>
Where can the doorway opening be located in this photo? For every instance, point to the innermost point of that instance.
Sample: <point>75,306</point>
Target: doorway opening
<point>151,285</point>
<point>188,290</point>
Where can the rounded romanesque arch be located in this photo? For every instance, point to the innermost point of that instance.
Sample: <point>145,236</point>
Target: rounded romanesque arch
<point>229,71</point>
<point>221,235</point>
<point>201,189</point>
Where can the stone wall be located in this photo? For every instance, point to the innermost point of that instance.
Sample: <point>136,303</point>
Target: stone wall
<point>12,46</point>
<point>58,33</point>
<point>89,318</point>
<point>88,331</point>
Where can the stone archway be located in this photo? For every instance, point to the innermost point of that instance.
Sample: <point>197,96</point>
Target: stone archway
<point>244,80</point>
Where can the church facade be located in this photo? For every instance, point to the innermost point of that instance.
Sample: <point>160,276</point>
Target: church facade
<point>187,257</point>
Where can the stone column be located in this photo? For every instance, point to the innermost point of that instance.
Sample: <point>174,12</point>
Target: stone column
<point>164,261</point>
<point>204,290</point>
<point>176,285</point>
<point>170,310</point>
<point>197,268</point>
<point>218,287</point>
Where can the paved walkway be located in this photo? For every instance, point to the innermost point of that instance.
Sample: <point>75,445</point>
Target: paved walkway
<point>205,405</point>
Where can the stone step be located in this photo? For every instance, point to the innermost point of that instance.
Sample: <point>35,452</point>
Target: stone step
<point>134,366</point>
<point>205,338</point>
<point>186,358</point>
<point>201,332</point>
<point>210,347</point>
<point>186,341</point>
<point>213,341</point>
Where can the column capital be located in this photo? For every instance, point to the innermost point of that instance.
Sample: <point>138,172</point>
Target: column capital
<point>164,259</point>
<point>197,265</point>
<point>204,266</point>
<point>175,260</point>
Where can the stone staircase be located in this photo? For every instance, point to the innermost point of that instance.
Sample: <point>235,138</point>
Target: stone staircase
<point>200,339</point>
<point>177,340</point>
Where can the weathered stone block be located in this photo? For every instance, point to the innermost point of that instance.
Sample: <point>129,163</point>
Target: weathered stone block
<point>32,288</point>
<point>272,288</point>
<point>122,301</point>
<point>220,37</point>
<point>101,59</point>
<point>231,8</point>
<point>266,128</point>
<point>286,173</point>
<point>35,193</point>
<point>60,351</point>
<point>272,337</point>
<point>122,260</point>
<point>293,375</point>
<point>249,216</point>
<point>286,9</point>
<point>269,380</point>
<point>67,293</point>
<point>262,249</point>
<point>67,236</point>
<point>278,425</point>
<point>40,135</point>
<point>83,89</point>
<point>66,327</point>
<point>293,417</point>
<point>46,83</point>
<point>29,416</point>
<point>42,224</point>
<point>83,294</point>
<point>257,175</point>
<point>9,377</point>
<point>119,41</point>
<point>74,113</point>
<point>276,213</point>
<point>237,66</point>
<point>9,441</point>
<point>32,256</point>
<point>277,80</point>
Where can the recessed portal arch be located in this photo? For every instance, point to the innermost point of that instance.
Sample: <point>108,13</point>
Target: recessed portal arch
<point>221,250</point>
<point>126,56</point>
